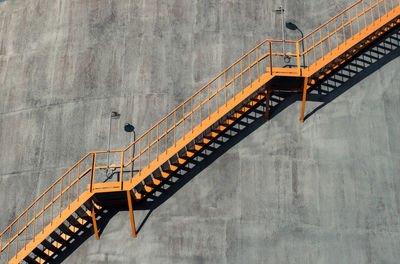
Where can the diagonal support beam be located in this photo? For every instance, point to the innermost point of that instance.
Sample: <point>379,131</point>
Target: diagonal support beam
<point>303,106</point>
<point>96,231</point>
<point>129,197</point>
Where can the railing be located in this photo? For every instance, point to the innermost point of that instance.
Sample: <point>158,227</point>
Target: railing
<point>46,208</point>
<point>198,108</point>
<point>195,111</point>
<point>344,26</point>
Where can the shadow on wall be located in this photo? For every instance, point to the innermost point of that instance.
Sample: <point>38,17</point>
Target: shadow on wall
<point>368,61</point>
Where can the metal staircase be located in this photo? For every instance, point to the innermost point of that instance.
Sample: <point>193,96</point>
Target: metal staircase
<point>74,200</point>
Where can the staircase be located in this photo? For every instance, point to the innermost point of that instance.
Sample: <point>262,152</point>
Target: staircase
<point>74,201</point>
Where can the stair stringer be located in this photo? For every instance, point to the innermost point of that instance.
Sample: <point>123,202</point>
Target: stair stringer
<point>57,221</point>
<point>189,137</point>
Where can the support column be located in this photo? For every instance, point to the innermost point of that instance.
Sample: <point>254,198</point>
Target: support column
<point>303,106</point>
<point>129,197</point>
<point>96,232</point>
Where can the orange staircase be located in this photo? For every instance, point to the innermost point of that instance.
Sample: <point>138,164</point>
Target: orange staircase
<point>71,203</point>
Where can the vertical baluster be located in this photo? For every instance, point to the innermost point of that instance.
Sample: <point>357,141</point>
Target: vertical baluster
<point>208,103</point>
<point>183,121</point>
<point>379,9</point>
<point>234,79</point>
<point>26,230</point>
<point>329,37</point>
<point>201,105</point>
<point>249,69</point>
<point>52,202</point>
<point>166,137</point>
<point>77,182</point>
<point>336,33</point>
<point>258,69</point>
<point>364,13</point>
<point>121,170</point>
<point>61,192</point>
<point>8,246</point>
<point>322,43</point>
<point>270,58</point>
<point>358,19</point>
<point>351,25</point>
<point>344,32</point>
<point>148,148</point>
<point>34,222</point>
<point>191,110</point>
<point>140,155</point>
<point>372,11</point>
<point>157,141</point>
<point>385,5</point>
<point>392,3</point>
<point>69,189</point>
<point>174,128</point>
<point>225,86</point>
<point>17,238</point>
<point>313,40</point>
<point>217,94</point>
<point>44,196</point>
<point>304,50</point>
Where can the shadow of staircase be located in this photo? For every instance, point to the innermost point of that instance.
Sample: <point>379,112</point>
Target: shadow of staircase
<point>368,61</point>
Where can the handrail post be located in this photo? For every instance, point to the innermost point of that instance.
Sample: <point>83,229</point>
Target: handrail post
<point>92,172</point>
<point>121,173</point>
<point>270,57</point>
<point>298,58</point>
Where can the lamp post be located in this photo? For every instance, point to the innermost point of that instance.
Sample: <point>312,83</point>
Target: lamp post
<point>129,128</point>
<point>113,115</point>
<point>281,11</point>
<point>292,26</point>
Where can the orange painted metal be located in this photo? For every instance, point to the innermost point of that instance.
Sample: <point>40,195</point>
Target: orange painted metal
<point>332,43</point>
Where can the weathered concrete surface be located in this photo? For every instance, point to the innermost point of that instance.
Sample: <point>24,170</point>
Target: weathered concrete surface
<point>326,191</point>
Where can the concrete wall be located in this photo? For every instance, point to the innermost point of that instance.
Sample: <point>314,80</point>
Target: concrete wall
<point>325,191</point>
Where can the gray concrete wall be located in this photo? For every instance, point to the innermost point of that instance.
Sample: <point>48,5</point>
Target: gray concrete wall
<point>325,191</point>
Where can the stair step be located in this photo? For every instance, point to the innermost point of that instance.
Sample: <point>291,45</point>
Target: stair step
<point>219,128</point>
<point>144,189</point>
<point>65,229</point>
<point>40,254</point>
<point>152,181</point>
<point>74,222</point>
<point>138,196</point>
<point>243,109</point>
<point>203,141</point>
<point>57,237</point>
<point>211,135</point>
<point>30,260</point>
<point>159,174</point>
<point>179,161</point>
<point>82,213</point>
<point>148,188</point>
<point>186,155</point>
<point>49,245</point>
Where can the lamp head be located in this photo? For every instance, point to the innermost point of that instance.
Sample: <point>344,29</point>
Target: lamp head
<point>128,128</point>
<point>291,26</point>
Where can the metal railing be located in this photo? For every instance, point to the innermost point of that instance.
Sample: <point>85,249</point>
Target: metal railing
<point>344,26</point>
<point>195,111</point>
<point>46,208</point>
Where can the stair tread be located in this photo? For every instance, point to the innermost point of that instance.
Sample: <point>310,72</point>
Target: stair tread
<point>65,229</point>
<point>49,245</point>
<point>40,254</point>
